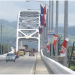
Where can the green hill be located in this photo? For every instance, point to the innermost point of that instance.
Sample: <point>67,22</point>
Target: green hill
<point>72,38</point>
<point>9,31</point>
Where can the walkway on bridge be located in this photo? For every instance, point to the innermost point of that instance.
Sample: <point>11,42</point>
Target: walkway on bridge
<point>41,67</point>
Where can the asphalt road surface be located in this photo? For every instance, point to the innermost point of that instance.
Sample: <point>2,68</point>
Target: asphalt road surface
<point>22,65</point>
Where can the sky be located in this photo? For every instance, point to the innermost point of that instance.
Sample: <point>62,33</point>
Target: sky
<point>9,10</point>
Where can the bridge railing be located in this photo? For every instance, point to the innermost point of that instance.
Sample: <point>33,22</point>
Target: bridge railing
<point>56,67</point>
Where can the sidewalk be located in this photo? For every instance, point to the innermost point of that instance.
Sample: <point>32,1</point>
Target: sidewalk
<point>41,67</point>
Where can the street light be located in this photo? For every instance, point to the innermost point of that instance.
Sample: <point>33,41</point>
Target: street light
<point>1,37</point>
<point>39,9</point>
<point>47,16</point>
<point>44,3</point>
<point>33,9</point>
<point>38,1</point>
<point>8,44</point>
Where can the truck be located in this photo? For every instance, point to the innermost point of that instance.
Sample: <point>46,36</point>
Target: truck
<point>26,47</point>
<point>31,52</point>
<point>21,51</point>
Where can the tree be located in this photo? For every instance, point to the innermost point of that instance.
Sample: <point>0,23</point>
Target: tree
<point>59,44</point>
<point>5,48</point>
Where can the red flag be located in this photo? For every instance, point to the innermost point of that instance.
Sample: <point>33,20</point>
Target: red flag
<point>45,9</point>
<point>43,21</point>
<point>41,30</point>
<point>48,47</point>
<point>55,37</point>
<point>63,48</point>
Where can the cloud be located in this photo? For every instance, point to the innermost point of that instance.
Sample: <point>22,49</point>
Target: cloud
<point>9,10</point>
<point>71,19</point>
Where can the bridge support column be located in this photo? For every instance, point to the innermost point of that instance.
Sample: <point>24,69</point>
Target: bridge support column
<point>17,44</point>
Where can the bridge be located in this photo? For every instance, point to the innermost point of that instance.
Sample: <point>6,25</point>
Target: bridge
<point>42,63</point>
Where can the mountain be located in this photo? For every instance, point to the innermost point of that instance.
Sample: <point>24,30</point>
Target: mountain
<point>9,31</point>
<point>6,23</point>
<point>71,30</point>
<point>71,38</point>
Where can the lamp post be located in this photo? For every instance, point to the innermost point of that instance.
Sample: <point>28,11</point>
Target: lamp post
<point>33,9</point>
<point>47,21</point>
<point>44,3</point>
<point>65,27</point>
<point>56,51</point>
<point>8,44</point>
<point>52,31</point>
<point>1,37</point>
<point>49,14</point>
<point>48,25</point>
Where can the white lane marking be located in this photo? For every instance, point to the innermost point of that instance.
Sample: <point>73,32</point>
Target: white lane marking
<point>33,65</point>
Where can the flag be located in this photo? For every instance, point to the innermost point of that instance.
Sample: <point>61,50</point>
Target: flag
<point>55,37</point>
<point>43,17</point>
<point>44,24</point>
<point>43,21</point>
<point>40,30</point>
<point>40,17</point>
<point>48,47</point>
<point>43,8</point>
<point>63,49</point>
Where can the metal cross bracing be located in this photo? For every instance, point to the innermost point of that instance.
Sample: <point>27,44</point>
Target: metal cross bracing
<point>28,27</point>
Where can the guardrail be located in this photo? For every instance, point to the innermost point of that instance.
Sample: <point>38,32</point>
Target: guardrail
<point>56,67</point>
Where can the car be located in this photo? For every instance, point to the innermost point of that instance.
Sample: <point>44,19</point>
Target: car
<point>27,50</point>
<point>31,52</point>
<point>10,57</point>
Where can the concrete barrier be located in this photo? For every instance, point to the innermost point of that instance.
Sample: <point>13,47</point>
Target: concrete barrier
<point>2,57</point>
<point>56,67</point>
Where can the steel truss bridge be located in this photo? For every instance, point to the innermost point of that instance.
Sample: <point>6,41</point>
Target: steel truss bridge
<point>27,27</point>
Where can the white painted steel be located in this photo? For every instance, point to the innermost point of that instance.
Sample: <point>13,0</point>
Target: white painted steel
<point>28,27</point>
<point>56,67</point>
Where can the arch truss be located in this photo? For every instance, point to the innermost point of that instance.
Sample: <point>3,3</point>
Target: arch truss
<point>28,27</point>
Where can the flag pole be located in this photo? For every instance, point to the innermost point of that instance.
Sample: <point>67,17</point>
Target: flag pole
<point>65,27</point>
<point>52,30</point>
<point>56,51</point>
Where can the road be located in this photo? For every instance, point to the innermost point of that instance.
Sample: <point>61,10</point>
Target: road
<point>22,65</point>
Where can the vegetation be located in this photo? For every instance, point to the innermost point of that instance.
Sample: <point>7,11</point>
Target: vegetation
<point>72,62</point>
<point>59,44</point>
<point>5,48</point>
<point>72,67</point>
